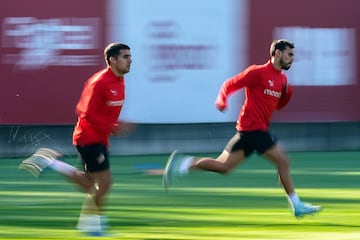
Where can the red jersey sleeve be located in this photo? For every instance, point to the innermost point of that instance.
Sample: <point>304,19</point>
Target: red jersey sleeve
<point>233,84</point>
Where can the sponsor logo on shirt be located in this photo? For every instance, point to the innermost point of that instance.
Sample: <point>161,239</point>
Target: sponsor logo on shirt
<point>115,103</point>
<point>272,93</point>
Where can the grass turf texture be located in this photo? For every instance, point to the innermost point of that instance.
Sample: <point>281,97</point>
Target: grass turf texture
<point>246,204</point>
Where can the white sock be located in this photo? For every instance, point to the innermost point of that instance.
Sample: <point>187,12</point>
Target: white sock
<point>185,165</point>
<point>62,167</point>
<point>89,223</point>
<point>294,199</point>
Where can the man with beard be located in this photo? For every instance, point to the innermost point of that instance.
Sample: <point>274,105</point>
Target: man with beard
<point>266,90</point>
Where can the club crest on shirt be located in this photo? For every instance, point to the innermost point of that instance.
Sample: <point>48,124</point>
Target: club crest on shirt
<point>113,92</point>
<point>271,83</point>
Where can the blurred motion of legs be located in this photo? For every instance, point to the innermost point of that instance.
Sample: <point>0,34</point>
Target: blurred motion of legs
<point>90,220</point>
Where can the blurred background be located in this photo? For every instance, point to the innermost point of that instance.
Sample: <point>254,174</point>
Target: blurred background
<point>182,52</point>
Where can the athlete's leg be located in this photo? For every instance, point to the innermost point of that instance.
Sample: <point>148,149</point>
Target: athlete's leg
<point>96,165</point>
<point>91,217</point>
<point>81,179</point>
<point>96,185</point>
<point>48,158</point>
<point>282,163</point>
<point>103,180</point>
<point>224,163</point>
<point>234,153</point>
<point>276,155</point>
<point>179,164</point>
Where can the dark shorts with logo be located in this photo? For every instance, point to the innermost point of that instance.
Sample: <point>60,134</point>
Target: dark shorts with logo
<point>250,141</point>
<point>95,157</point>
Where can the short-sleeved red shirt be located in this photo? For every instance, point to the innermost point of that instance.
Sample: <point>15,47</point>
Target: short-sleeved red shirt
<point>98,109</point>
<point>265,91</point>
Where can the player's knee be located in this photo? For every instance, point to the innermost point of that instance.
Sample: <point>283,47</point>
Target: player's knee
<point>84,182</point>
<point>109,183</point>
<point>225,170</point>
<point>106,184</point>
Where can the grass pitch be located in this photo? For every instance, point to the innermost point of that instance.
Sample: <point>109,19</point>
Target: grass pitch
<point>246,204</point>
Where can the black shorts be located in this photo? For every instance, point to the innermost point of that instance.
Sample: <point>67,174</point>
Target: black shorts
<point>94,157</point>
<point>250,141</point>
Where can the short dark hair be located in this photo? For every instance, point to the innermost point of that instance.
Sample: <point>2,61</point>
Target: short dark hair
<point>112,50</point>
<point>280,44</point>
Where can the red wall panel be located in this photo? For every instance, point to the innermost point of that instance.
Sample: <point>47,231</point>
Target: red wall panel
<point>309,103</point>
<point>48,49</point>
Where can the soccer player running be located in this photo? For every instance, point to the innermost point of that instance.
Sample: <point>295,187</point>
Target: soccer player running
<point>266,90</point>
<point>98,111</point>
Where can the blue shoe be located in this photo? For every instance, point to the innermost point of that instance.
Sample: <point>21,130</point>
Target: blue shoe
<point>101,234</point>
<point>96,234</point>
<point>172,168</point>
<point>302,209</point>
<point>104,223</point>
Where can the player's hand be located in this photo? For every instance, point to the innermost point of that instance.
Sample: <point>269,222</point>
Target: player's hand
<point>286,88</point>
<point>122,129</point>
<point>221,108</point>
<point>285,96</point>
<point>220,104</point>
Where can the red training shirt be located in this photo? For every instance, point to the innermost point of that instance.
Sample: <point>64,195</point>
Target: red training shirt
<point>98,108</point>
<point>266,90</point>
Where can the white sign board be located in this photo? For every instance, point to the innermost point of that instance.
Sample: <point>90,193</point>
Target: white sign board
<point>182,52</point>
<point>323,56</point>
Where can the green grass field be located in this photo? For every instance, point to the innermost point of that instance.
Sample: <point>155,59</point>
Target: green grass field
<point>246,204</point>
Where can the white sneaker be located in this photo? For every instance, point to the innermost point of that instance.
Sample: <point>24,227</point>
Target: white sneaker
<point>40,160</point>
<point>302,209</point>
<point>174,168</point>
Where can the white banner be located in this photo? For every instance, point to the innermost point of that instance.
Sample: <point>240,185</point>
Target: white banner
<point>323,56</point>
<point>182,52</point>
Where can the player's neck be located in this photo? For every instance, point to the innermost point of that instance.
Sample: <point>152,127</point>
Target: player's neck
<point>276,64</point>
<point>117,73</point>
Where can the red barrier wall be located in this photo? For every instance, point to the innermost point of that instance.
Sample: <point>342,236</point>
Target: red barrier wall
<point>310,103</point>
<point>49,48</point>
